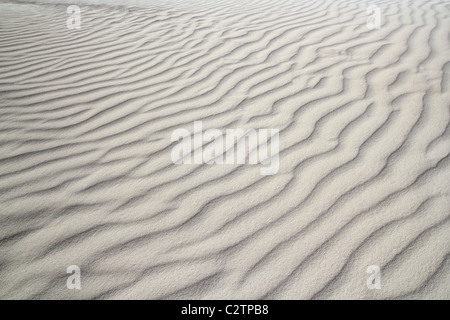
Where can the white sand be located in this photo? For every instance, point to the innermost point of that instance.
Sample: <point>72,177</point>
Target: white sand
<point>86,176</point>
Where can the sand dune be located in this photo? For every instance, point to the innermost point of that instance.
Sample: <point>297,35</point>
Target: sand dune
<point>86,176</point>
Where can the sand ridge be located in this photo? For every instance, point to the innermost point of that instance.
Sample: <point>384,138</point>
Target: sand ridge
<point>86,176</point>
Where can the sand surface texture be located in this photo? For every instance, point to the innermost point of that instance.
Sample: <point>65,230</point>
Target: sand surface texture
<point>87,179</point>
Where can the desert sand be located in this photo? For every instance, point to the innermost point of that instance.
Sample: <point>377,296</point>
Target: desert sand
<point>86,176</point>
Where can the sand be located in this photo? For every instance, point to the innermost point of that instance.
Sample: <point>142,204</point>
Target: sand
<point>86,176</point>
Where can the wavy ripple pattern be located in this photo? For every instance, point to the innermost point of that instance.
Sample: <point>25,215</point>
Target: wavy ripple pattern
<point>86,176</point>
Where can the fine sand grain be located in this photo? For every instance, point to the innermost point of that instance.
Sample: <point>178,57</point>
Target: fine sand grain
<point>86,176</point>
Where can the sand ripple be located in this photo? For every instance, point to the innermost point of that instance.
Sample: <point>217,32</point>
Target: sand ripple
<point>86,176</point>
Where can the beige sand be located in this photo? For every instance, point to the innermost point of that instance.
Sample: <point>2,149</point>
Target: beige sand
<point>86,176</point>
